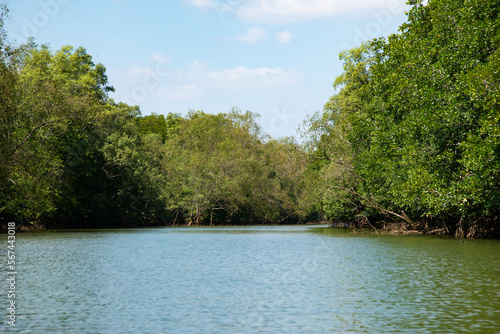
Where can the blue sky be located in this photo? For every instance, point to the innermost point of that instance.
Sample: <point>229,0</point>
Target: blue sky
<point>277,58</point>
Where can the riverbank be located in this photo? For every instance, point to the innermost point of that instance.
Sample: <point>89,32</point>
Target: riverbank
<point>442,229</point>
<point>26,227</point>
<point>355,227</point>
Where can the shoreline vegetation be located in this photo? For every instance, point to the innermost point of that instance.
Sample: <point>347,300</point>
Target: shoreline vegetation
<point>351,227</point>
<point>409,142</point>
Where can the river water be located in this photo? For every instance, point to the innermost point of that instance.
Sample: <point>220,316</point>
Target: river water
<point>277,279</point>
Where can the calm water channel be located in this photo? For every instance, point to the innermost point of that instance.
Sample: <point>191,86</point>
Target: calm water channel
<point>279,279</point>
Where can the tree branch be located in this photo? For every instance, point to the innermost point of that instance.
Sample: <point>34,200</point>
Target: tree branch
<point>34,130</point>
<point>369,204</point>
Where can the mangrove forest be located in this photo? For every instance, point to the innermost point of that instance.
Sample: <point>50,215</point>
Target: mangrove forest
<point>410,139</point>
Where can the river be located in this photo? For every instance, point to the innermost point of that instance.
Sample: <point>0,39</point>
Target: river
<point>259,279</point>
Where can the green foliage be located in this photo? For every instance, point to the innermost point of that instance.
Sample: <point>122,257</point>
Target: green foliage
<point>339,136</point>
<point>58,122</point>
<point>47,109</point>
<point>153,124</point>
<point>72,157</point>
<point>218,171</point>
<point>412,135</point>
<point>430,79</point>
<point>419,116</point>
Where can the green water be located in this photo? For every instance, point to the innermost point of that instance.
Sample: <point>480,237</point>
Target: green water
<point>279,279</point>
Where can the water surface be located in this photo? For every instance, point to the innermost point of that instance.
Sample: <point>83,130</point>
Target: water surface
<point>277,279</point>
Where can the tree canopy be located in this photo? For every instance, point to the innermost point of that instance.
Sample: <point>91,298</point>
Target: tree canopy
<point>416,122</point>
<point>411,137</point>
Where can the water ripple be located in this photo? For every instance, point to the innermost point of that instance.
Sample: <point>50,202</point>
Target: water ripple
<point>254,280</point>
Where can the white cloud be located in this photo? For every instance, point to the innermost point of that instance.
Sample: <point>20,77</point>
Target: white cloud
<point>220,6</point>
<point>286,11</point>
<point>259,78</point>
<point>241,77</point>
<point>197,66</point>
<point>181,92</point>
<point>252,35</point>
<point>158,57</point>
<point>152,81</point>
<point>199,3</point>
<point>284,37</point>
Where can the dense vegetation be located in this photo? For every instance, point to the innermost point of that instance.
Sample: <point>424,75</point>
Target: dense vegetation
<point>413,133</point>
<point>72,157</point>
<point>410,138</point>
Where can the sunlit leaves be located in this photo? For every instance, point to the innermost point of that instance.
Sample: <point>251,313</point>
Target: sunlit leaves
<point>422,113</point>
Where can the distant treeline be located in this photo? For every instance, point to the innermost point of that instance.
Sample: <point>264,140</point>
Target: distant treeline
<point>72,157</point>
<point>411,138</point>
